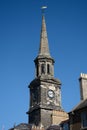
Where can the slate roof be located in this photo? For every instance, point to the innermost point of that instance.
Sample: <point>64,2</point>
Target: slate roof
<point>22,126</point>
<point>81,105</point>
<point>65,121</point>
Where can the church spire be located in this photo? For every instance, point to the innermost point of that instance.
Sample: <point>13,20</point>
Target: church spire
<point>44,63</point>
<point>44,47</point>
<point>45,90</point>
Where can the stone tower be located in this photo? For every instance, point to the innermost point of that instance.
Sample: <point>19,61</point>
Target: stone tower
<point>45,90</point>
<point>83,86</point>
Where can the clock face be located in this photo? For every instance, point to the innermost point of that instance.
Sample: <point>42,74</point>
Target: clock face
<point>51,93</point>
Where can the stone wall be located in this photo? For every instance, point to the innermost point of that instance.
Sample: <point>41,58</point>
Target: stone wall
<point>37,128</point>
<point>59,116</point>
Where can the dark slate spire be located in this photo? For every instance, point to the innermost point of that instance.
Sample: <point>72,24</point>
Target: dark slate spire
<point>44,47</point>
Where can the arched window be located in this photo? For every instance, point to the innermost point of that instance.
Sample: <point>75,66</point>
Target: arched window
<point>48,69</point>
<point>43,68</point>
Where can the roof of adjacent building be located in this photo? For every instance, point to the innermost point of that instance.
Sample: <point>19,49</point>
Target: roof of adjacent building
<point>81,105</point>
<point>22,126</point>
<point>64,122</point>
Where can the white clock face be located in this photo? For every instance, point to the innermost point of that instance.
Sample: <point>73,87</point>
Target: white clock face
<point>51,93</point>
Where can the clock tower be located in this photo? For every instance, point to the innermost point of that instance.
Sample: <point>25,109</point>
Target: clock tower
<point>45,90</point>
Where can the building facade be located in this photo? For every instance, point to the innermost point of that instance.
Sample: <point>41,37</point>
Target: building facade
<point>78,116</point>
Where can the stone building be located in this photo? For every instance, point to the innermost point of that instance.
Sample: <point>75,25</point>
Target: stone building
<point>45,91</point>
<point>58,116</point>
<point>78,115</point>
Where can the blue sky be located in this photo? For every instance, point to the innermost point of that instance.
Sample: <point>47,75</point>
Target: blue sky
<point>20,24</point>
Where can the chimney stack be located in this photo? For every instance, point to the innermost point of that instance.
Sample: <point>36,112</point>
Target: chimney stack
<point>83,86</point>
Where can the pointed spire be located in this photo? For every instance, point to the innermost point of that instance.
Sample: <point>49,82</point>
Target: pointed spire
<point>44,63</point>
<point>44,47</point>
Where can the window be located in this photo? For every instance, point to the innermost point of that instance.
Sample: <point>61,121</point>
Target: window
<point>48,69</point>
<point>65,126</point>
<point>43,68</point>
<point>84,119</point>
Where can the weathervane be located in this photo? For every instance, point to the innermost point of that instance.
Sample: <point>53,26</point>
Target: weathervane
<point>43,9</point>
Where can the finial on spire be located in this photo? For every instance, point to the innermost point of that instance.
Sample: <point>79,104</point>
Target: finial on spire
<point>43,9</point>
